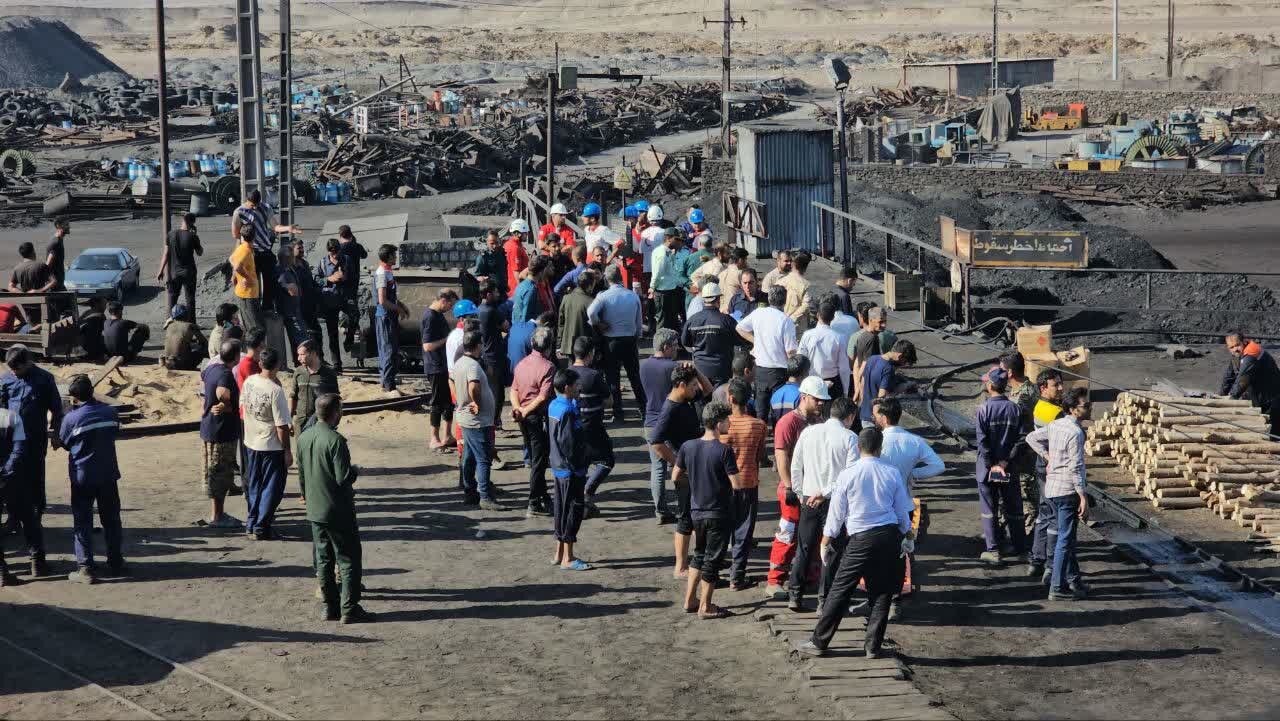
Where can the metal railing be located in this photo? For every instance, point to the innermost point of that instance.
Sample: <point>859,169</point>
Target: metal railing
<point>850,245</point>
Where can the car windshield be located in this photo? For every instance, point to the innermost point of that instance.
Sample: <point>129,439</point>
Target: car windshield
<point>97,262</point>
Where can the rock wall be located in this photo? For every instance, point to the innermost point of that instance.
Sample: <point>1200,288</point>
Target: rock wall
<point>439,253</point>
<point>883,176</point>
<point>1148,104</point>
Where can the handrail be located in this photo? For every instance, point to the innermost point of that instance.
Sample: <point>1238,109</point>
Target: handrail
<point>889,231</point>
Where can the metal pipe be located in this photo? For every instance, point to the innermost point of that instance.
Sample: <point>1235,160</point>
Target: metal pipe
<point>286,117</point>
<point>995,45</point>
<point>1115,39</point>
<point>725,80</point>
<point>841,122</point>
<point>165,224</point>
<point>367,98</point>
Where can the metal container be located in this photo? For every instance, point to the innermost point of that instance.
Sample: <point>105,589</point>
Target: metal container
<point>786,166</point>
<point>1089,149</point>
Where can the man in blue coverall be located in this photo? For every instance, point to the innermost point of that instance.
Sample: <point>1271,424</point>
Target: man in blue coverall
<point>32,393</point>
<point>89,434</point>
<point>999,424</point>
<point>12,444</point>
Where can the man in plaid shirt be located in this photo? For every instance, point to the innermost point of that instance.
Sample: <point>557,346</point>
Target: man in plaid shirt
<point>1061,444</point>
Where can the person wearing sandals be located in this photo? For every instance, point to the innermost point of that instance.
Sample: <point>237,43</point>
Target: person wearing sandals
<point>568,467</point>
<point>220,432</point>
<point>710,470</point>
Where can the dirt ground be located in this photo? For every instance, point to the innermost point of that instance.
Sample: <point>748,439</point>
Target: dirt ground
<point>469,626</point>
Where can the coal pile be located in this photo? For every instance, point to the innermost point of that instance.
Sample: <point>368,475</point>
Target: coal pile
<point>36,52</point>
<point>1109,247</point>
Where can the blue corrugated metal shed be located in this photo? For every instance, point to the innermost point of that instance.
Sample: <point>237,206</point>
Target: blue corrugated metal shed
<point>786,166</point>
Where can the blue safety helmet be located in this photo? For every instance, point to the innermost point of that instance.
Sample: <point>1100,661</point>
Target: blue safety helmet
<point>642,206</point>
<point>630,212</point>
<point>696,216</point>
<point>591,209</point>
<point>463,308</point>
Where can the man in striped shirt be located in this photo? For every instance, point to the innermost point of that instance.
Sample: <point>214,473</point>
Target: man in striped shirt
<point>1061,443</point>
<point>259,215</point>
<point>746,438</point>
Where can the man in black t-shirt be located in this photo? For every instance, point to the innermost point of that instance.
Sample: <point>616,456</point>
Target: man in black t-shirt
<point>435,333</point>
<point>220,432</point>
<point>55,255</point>
<point>123,337</point>
<point>676,424</point>
<point>493,353</point>
<point>179,263</point>
<point>708,469</point>
<point>593,391</point>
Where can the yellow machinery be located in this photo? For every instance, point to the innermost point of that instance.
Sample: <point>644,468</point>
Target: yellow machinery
<point>1075,115</point>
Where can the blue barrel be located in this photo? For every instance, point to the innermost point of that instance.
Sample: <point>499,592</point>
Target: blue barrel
<point>344,192</point>
<point>220,166</point>
<point>133,171</point>
<point>271,168</point>
<point>122,170</point>
<point>331,192</point>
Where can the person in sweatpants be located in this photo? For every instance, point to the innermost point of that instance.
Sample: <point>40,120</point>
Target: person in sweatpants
<point>593,391</point>
<point>568,467</point>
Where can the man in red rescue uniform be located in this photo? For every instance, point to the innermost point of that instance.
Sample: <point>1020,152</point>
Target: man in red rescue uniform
<point>786,433</point>
<point>517,257</point>
<point>557,226</point>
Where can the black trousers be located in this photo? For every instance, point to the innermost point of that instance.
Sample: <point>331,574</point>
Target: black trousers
<point>497,375</point>
<point>569,507</point>
<point>22,501</point>
<point>808,537</point>
<point>330,318</point>
<point>620,354</point>
<point>745,504</point>
<point>138,338</point>
<point>711,538</point>
<point>534,431</point>
<point>265,262</point>
<point>670,310</point>
<point>870,555</point>
<point>185,286</point>
<point>768,380</point>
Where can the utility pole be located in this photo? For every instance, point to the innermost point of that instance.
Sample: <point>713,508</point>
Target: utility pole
<point>725,53</point>
<point>995,45</point>
<point>1115,39</point>
<point>553,85</point>
<point>164,123</point>
<point>249,85</point>
<point>1168,58</point>
<point>286,117</point>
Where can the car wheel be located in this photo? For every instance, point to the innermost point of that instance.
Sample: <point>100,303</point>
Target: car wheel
<point>120,292</point>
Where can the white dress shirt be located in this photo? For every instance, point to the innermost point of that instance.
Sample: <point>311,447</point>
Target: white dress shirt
<point>868,494</point>
<point>911,455</point>
<point>827,357</point>
<point>775,336</point>
<point>821,452</point>
<point>453,349</point>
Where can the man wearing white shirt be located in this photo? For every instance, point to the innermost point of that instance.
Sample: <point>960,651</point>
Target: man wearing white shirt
<point>822,452</point>
<point>845,326</point>
<point>904,450</point>
<point>821,345</point>
<point>870,504</point>
<point>772,336</point>
<point>914,459</point>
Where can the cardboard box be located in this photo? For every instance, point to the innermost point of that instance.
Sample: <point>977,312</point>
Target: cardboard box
<point>1076,361</point>
<point>1038,363</point>
<point>1035,339</point>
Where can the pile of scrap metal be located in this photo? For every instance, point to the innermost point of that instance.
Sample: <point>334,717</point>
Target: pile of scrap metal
<point>432,159</point>
<point>1190,195</point>
<point>870,104</point>
<point>595,120</point>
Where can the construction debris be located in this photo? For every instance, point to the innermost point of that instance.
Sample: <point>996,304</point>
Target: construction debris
<point>870,104</point>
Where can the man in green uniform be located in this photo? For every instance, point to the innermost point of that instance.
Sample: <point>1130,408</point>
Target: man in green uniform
<point>324,467</point>
<point>312,378</point>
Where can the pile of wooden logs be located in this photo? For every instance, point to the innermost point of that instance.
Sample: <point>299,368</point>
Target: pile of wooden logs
<point>1196,453</point>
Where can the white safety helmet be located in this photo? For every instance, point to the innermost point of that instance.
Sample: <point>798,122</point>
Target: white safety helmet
<point>559,209</point>
<point>519,225</point>
<point>655,213</point>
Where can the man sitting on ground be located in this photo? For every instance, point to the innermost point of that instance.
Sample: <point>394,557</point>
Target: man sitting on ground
<point>184,344</point>
<point>123,337</point>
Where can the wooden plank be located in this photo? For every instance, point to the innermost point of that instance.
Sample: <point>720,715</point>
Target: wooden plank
<point>101,375</point>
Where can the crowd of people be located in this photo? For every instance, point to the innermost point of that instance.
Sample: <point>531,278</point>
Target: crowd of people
<point>555,323</point>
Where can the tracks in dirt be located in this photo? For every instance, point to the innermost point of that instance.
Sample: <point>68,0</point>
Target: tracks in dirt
<point>137,678</point>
